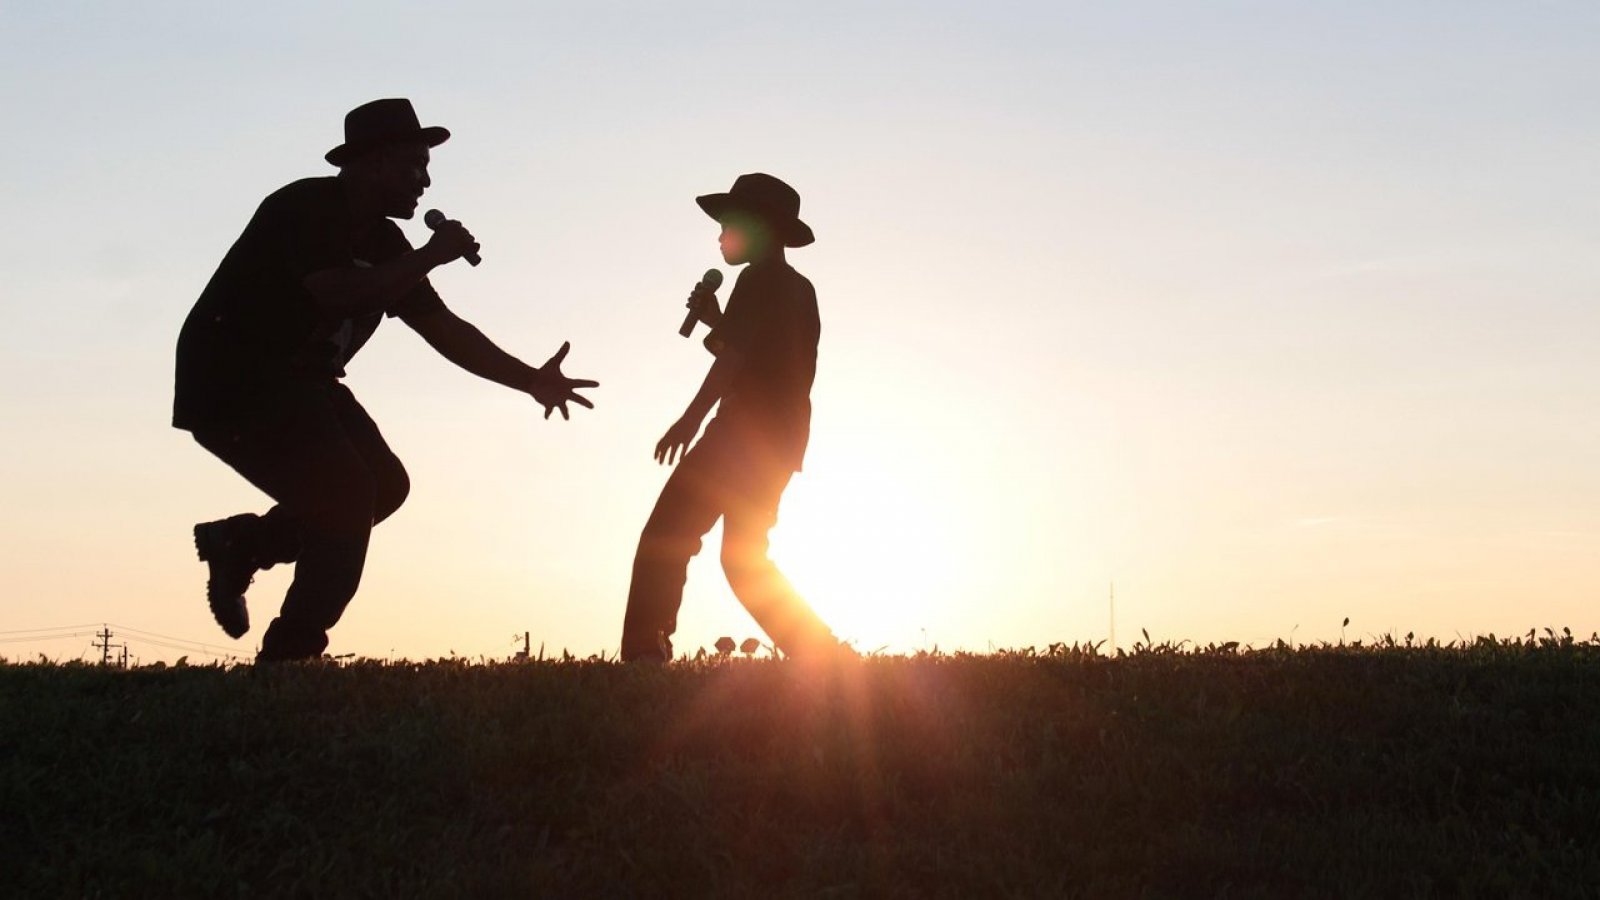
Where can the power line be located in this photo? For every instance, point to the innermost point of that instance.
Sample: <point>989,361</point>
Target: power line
<point>70,631</point>
<point>52,628</point>
<point>103,632</point>
<point>186,650</point>
<point>167,637</point>
<point>47,637</point>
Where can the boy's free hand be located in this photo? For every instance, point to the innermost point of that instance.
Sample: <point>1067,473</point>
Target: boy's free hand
<point>554,390</point>
<point>677,440</point>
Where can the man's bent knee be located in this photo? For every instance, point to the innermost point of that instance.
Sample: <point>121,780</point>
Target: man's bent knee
<point>346,507</point>
<point>393,489</point>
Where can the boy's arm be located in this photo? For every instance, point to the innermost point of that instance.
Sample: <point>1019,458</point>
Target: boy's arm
<point>678,438</point>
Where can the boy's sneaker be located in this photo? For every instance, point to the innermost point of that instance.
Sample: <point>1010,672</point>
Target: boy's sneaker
<point>223,547</point>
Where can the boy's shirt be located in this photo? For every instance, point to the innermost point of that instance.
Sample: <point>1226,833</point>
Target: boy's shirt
<point>772,322</point>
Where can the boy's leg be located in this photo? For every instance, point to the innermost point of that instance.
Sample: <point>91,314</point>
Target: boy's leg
<point>792,624</point>
<point>685,511</point>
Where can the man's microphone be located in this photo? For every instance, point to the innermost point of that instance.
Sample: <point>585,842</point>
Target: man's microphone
<point>710,281</point>
<point>433,219</point>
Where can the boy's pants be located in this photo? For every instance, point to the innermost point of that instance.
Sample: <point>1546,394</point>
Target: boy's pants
<point>720,477</point>
<point>311,447</point>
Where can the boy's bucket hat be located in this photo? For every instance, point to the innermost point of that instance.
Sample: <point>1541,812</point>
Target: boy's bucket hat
<point>766,197</point>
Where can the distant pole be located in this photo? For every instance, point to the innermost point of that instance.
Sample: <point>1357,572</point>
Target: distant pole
<point>1113,617</point>
<point>104,645</point>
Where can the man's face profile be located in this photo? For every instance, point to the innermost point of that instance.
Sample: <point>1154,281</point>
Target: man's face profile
<point>399,175</point>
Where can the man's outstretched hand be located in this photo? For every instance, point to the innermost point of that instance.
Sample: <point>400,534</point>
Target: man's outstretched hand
<point>554,390</point>
<point>677,439</point>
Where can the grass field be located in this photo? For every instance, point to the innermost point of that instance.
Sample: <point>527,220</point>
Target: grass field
<point>1322,771</point>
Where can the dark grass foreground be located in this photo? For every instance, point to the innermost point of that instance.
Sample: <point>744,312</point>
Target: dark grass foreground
<point>1325,771</point>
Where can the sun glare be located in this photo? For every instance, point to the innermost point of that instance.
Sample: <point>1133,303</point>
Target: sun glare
<point>869,550</point>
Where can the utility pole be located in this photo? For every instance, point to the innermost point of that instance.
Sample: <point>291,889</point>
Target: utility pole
<point>104,645</point>
<point>1113,618</point>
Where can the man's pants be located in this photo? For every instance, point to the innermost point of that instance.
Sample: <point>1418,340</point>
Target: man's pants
<point>312,448</point>
<point>719,478</point>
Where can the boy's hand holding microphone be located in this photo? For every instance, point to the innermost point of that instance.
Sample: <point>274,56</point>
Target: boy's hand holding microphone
<point>703,303</point>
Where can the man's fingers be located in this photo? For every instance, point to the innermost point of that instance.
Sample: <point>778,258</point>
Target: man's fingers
<point>547,413</point>
<point>581,383</point>
<point>560,354</point>
<point>581,401</point>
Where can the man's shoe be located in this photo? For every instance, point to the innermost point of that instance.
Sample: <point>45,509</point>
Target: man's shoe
<point>288,643</point>
<point>221,545</point>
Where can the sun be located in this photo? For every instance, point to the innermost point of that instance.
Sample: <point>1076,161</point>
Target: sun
<point>870,550</point>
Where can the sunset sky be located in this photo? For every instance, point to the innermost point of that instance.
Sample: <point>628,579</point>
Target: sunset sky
<point>1271,313</point>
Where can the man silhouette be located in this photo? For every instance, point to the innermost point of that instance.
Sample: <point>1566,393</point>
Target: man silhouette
<point>765,346</point>
<point>260,356</point>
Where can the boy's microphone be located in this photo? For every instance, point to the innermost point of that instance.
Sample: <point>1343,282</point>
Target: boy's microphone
<point>433,219</point>
<point>710,281</point>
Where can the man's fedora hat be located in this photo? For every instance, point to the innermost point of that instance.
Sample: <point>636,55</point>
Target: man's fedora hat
<point>767,198</point>
<point>379,123</point>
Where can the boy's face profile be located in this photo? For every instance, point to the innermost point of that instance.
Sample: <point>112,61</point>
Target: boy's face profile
<point>743,239</point>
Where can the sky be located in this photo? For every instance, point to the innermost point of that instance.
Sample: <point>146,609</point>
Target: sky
<point>1269,314</point>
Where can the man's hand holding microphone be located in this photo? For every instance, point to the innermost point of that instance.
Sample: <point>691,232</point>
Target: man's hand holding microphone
<point>451,240</point>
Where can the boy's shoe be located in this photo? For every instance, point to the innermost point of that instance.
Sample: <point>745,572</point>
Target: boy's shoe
<point>221,545</point>
<point>635,650</point>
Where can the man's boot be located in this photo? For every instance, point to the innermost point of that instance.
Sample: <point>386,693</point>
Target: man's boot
<point>228,547</point>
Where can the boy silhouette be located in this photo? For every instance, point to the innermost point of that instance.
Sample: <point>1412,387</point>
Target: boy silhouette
<point>765,346</point>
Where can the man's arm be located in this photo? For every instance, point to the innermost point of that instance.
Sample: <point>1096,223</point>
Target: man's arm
<point>349,292</point>
<point>463,344</point>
